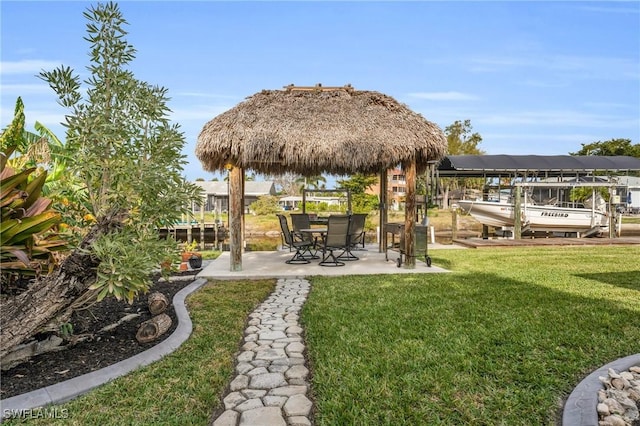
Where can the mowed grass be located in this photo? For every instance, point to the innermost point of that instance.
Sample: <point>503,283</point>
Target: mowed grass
<point>185,387</point>
<point>501,340</point>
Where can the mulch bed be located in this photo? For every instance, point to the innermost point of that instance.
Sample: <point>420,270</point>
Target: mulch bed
<point>104,349</point>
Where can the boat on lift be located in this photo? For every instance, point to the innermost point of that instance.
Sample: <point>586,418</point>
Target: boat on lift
<point>589,218</point>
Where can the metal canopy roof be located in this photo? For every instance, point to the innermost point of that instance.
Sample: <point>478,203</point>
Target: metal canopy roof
<point>534,165</point>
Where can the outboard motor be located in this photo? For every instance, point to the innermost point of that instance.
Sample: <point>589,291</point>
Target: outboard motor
<point>597,203</point>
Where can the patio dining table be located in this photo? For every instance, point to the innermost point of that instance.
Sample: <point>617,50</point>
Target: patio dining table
<point>317,231</point>
<point>318,220</point>
<point>314,233</point>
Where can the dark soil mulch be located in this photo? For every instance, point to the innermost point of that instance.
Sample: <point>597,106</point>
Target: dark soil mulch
<point>103,349</point>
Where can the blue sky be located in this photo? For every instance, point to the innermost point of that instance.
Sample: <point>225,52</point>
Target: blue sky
<point>533,77</point>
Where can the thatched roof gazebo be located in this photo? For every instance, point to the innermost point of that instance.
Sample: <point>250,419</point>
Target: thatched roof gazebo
<point>314,130</point>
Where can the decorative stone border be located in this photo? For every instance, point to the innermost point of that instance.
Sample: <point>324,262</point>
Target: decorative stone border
<point>580,408</point>
<point>72,388</point>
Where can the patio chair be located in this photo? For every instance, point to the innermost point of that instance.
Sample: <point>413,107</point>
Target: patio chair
<point>301,247</point>
<point>300,221</point>
<point>357,230</point>
<point>337,238</point>
<point>356,236</point>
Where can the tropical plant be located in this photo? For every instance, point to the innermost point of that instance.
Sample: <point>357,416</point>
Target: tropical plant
<point>311,182</point>
<point>46,152</point>
<point>27,239</point>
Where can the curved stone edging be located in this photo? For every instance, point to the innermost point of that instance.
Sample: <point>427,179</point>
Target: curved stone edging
<point>580,408</point>
<point>72,388</point>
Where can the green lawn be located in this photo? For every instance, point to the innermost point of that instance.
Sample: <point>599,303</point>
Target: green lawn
<point>499,341</point>
<point>185,387</point>
<point>502,340</point>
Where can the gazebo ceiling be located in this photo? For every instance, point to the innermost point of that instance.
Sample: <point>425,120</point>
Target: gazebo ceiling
<point>313,130</point>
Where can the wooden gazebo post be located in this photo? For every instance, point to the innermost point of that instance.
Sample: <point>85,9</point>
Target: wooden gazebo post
<point>382,246</point>
<point>410,215</point>
<point>236,204</point>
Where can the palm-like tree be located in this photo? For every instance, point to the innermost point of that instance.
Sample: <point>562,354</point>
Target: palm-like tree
<point>312,182</point>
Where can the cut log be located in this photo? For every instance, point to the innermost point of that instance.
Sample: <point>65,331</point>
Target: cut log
<point>153,328</point>
<point>158,303</point>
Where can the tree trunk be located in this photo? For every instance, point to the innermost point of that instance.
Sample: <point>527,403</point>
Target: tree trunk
<point>23,315</point>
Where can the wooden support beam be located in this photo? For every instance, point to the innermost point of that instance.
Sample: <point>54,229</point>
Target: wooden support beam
<point>382,221</point>
<point>454,223</point>
<point>236,177</point>
<point>410,216</point>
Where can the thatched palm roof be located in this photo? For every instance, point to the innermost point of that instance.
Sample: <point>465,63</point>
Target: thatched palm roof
<point>314,130</point>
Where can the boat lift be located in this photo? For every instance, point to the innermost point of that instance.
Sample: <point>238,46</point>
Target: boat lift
<point>614,221</point>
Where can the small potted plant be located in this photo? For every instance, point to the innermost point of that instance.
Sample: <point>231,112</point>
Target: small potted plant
<point>191,256</point>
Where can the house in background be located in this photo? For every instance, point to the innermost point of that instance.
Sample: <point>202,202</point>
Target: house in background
<point>294,202</point>
<point>396,186</point>
<point>216,194</point>
<point>630,193</point>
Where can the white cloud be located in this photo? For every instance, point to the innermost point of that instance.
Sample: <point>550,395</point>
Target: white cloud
<point>605,9</point>
<point>443,96</point>
<point>205,95</point>
<point>585,67</point>
<point>202,113</point>
<point>30,66</point>
<point>21,89</point>
<point>557,118</point>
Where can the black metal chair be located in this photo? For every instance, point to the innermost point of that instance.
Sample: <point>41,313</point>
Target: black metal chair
<point>300,221</point>
<point>357,230</point>
<point>337,238</point>
<point>301,247</point>
<point>356,237</point>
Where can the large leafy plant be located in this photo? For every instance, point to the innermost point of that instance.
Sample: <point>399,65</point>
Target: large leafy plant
<point>27,239</point>
<point>127,155</point>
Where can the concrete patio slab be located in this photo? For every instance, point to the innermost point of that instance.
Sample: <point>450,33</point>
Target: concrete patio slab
<point>271,264</point>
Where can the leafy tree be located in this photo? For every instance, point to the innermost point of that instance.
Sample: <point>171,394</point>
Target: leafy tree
<point>358,184</point>
<point>266,204</point>
<point>128,157</point>
<point>460,141</point>
<point>610,147</point>
<point>286,183</point>
<point>128,154</point>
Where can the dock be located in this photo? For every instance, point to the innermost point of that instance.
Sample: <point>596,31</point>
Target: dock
<point>555,241</point>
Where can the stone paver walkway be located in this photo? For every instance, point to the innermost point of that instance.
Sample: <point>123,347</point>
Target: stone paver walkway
<point>271,386</point>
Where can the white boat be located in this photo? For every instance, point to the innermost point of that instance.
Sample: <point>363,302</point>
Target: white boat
<point>534,217</point>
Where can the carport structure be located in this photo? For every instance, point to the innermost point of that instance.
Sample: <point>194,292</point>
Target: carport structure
<point>309,130</point>
<point>529,170</point>
<point>538,166</point>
